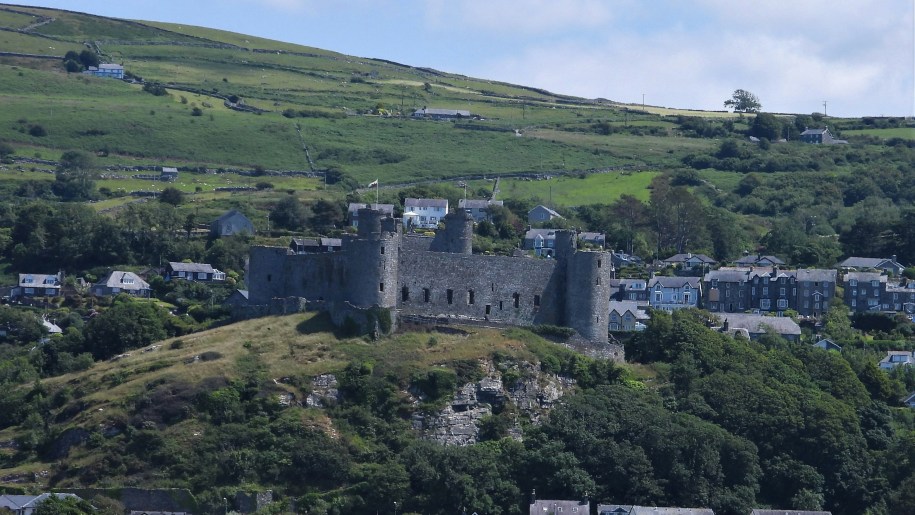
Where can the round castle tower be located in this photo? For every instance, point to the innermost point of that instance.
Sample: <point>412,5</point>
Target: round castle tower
<point>587,292</point>
<point>371,271</point>
<point>457,236</point>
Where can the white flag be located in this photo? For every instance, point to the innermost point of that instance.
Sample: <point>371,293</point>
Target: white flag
<point>373,183</point>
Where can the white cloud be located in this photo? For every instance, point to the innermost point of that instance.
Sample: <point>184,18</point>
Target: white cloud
<point>788,59</point>
<point>519,16</point>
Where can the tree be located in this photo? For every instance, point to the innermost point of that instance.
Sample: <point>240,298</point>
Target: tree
<point>88,58</point>
<point>72,66</point>
<point>73,179</point>
<point>766,126</point>
<point>55,505</point>
<point>129,324</point>
<point>289,213</point>
<point>742,101</point>
<point>171,195</point>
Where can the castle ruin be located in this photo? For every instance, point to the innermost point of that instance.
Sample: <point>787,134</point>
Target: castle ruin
<point>440,278</point>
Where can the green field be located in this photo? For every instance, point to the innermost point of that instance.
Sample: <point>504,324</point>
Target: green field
<point>599,188</point>
<point>898,132</point>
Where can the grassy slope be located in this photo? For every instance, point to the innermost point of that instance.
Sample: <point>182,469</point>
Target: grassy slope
<point>293,346</point>
<point>68,106</point>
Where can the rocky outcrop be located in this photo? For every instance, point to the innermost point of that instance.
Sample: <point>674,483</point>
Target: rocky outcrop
<point>459,422</point>
<point>323,391</point>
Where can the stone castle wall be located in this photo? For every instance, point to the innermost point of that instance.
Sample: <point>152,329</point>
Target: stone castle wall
<point>440,278</point>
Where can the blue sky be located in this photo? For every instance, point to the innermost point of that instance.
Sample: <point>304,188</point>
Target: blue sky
<point>857,56</point>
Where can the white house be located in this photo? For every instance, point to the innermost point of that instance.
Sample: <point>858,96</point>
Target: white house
<point>26,504</point>
<point>424,213</point>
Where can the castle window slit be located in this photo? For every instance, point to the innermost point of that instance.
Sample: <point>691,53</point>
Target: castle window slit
<point>380,286</point>
<point>450,294</point>
<point>470,297</point>
<point>517,299</point>
<point>426,294</point>
<point>404,294</point>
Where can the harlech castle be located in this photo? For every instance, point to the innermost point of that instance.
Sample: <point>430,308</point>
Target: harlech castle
<point>438,278</point>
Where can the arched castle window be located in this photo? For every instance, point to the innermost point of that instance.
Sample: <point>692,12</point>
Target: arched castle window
<point>426,294</point>
<point>517,299</point>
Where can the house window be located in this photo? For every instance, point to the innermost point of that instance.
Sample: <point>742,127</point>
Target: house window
<point>202,275</point>
<point>426,294</point>
<point>50,291</point>
<point>853,282</point>
<point>657,296</point>
<point>781,291</point>
<point>450,294</point>
<point>765,290</point>
<point>517,299</point>
<point>686,297</point>
<point>875,284</point>
<point>782,303</point>
<point>29,290</point>
<point>764,304</point>
<point>404,294</point>
<point>470,297</point>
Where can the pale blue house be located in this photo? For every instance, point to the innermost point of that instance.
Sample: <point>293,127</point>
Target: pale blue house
<point>670,293</point>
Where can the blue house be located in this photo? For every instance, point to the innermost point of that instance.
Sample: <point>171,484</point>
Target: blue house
<point>670,293</point>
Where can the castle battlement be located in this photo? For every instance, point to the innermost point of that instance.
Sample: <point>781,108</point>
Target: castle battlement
<point>440,277</point>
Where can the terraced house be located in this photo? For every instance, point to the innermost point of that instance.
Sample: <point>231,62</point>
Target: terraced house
<point>736,290</point>
<point>874,291</point>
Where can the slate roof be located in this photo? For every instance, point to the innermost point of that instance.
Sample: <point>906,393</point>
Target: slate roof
<point>17,502</point>
<point>592,237</point>
<point>673,282</point>
<point>622,306</point>
<point>39,281</point>
<point>728,275</point>
<point>682,258</point>
<point>124,281</point>
<point>754,259</point>
<point>816,275</point>
<point>546,234</point>
<point>625,509</point>
<point>864,277</point>
<point>788,512</point>
<point>191,267</point>
<point>426,202</point>
<point>629,284</point>
<point>229,214</point>
<point>756,324</point>
<point>551,212</point>
<point>866,262</point>
<point>477,204</point>
<point>560,506</point>
<point>814,131</point>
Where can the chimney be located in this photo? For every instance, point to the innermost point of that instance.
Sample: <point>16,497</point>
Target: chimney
<point>585,499</point>
<point>725,326</point>
<point>533,495</point>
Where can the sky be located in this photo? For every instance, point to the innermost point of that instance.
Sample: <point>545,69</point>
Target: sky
<point>856,56</point>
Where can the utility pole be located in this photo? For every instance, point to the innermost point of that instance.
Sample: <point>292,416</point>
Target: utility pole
<point>643,101</point>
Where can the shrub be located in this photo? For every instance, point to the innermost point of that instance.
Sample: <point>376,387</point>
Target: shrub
<point>38,131</point>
